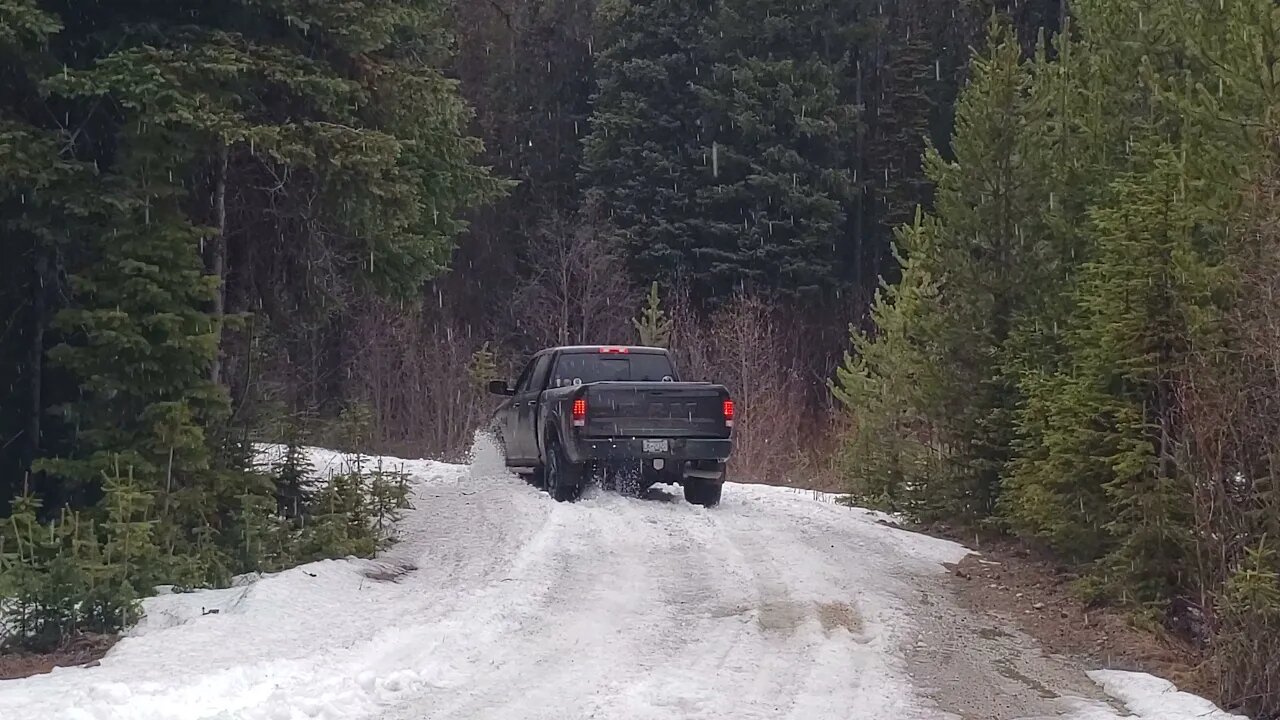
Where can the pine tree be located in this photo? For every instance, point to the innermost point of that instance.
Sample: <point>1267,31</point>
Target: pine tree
<point>483,366</point>
<point>129,562</point>
<point>1100,472</point>
<point>648,145</point>
<point>900,67</point>
<point>773,204</point>
<point>653,326</point>
<point>1109,418</point>
<point>45,584</point>
<point>44,198</point>
<point>1249,617</point>
<point>890,456</point>
<point>976,275</point>
<point>141,346</point>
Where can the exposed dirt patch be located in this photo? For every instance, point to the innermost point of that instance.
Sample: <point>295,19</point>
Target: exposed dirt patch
<point>388,572</point>
<point>86,649</point>
<point>1034,593</point>
<point>834,615</point>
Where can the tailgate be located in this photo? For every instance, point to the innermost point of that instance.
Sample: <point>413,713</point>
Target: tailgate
<point>649,409</point>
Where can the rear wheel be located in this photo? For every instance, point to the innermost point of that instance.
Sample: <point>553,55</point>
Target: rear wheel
<point>562,479</point>
<point>703,492</point>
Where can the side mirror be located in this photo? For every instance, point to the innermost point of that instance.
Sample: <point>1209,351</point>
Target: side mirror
<point>500,387</point>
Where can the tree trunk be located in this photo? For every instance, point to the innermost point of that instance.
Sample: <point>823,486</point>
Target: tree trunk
<point>35,359</point>
<point>860,209</point>
<point>218,257</point>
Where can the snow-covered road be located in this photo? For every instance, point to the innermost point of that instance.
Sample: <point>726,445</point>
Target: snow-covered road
<point>498,603</point>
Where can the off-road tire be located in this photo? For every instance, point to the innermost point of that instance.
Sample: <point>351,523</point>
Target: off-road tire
<point>703,492</point>
<point>562,479</point>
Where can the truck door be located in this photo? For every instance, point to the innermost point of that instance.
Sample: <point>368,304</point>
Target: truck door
<point>529,405</point>
<point>525,404</point>
<point>507,418</point>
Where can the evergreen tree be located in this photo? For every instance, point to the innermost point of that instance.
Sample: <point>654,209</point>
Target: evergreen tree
<point>527,67</point>
<point>44,198</point>
<point>1107,468</point>
<point>900,87</point>
<point>179,164</point>
<point>653,326</point>
<point>890,455</point>
<point>773,212</point>
<point>648,147</point>
<point>1099,473</point>
<point>977,272</point>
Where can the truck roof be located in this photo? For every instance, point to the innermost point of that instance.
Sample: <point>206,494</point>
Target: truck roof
<point>639,349</point>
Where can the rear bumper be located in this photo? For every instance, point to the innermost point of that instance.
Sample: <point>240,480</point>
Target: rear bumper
<point>678,449</point>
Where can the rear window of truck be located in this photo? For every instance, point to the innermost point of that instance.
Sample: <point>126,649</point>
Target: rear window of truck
<point>583,368</point>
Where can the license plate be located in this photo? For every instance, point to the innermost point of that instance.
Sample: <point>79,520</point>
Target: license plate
<point>655,446</point>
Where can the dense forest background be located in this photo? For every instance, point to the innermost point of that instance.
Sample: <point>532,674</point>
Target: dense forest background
<point>1050,227</point>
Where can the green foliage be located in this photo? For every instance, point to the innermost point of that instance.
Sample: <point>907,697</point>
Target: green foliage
<point>75,574</point>
<point>645,151</point>
<point>483,367</point>
<point>1069,355</point>
<point>887,458</point>
<point>774,144</point>
<point>140,345</point>
<point>291,472</point>
<point>1249,617</point>
<point>722,148</point>
<point>968,274</point>
<point>1116,445</point>
<point>353,512</point>
<point>22,22</point>
<point>778,119</point>
<point>163,169</point>
<point>653,326</point>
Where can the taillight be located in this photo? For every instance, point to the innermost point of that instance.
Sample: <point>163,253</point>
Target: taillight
<point>728,413</point>
<point>580,412</point>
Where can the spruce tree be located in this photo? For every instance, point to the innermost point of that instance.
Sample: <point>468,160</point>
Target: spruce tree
<point>1107,468</point>
<point>649,148</point>
<point>653,326</point>
<point>773,206</point>
<point>141,345</point>
<point>1100,472</point>
<point>890,454</point>
<point>45,195</point>
<point>902,56</point>
<point>979,268</point>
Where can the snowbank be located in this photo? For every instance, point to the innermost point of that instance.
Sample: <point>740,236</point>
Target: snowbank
<point>1146,697</point>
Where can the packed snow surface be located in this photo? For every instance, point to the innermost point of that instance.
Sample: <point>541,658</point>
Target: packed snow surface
<point>498,603</point>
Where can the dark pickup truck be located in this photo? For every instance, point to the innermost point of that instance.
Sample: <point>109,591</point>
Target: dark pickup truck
<point>619,415</point>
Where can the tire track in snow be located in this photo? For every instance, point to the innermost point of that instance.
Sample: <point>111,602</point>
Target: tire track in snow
<point>598,622</point>
<point>655,610</point>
